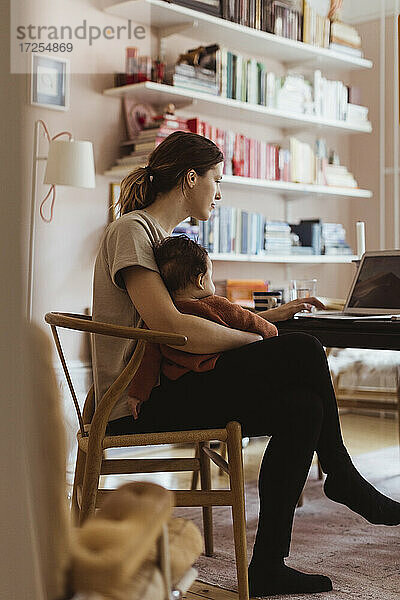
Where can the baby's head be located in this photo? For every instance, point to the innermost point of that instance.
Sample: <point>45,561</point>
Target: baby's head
<point>185,267</point>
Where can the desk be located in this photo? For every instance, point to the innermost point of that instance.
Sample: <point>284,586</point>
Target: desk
<point>382,335</point>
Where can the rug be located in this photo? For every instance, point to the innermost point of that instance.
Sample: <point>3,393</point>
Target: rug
<point>363,560</point>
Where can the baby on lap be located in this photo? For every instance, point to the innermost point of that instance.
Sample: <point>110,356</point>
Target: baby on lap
<point>186,270</point>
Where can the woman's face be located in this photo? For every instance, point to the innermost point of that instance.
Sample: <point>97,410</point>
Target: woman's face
<point>203,192</point>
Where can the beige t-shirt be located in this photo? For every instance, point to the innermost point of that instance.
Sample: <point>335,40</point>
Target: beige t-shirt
<point>126,242</point>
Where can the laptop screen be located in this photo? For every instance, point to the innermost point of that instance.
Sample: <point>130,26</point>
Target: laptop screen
<point>378,284</point>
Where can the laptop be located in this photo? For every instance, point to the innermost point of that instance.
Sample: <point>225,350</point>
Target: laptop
<point>374,292</point>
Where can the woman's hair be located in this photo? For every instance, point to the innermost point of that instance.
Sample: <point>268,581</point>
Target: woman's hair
<point>168,164</point>
<point>180,261</point>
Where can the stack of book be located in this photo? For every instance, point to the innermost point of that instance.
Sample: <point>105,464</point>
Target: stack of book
<point>147,139</point>
<point>277,238</point>
<point>316,27</point>
<point>339,176</point>
<point>194,78</point>
<point>344,38</point>
<point>319,238</point>
<point>330,98</point>
<point>333,237</point>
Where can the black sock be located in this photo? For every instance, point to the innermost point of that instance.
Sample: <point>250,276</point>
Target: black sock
<point>348,487</point>
<point>274,577</point>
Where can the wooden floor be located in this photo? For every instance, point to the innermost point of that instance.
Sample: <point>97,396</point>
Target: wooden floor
<point>361,433</point>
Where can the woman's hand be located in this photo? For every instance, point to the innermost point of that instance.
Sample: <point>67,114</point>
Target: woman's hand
<point>286,311</point>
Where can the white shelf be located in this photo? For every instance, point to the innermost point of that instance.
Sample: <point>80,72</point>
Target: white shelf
<point>293,190</point>
<point>206,28</point>
<point>290,259</point>
<point>288,189</point>
<point>161,94</point>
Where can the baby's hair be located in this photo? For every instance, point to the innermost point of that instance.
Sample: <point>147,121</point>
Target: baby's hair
<point>180,261</point>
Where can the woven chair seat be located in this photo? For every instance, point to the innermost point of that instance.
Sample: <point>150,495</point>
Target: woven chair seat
<point>147,439</point>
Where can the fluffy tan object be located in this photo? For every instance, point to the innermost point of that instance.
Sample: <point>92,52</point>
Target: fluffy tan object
<point>115,554</point>
<point>186,545</point>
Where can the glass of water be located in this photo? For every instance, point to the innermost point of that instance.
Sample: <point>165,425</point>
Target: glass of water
<point>303,288</point>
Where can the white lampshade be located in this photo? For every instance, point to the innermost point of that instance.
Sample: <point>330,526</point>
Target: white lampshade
<point>70,163</point>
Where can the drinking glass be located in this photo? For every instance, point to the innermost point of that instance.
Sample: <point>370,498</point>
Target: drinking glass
<point>303,288</point>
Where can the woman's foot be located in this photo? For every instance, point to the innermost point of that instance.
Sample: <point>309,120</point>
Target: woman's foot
<point>348,487</point>
<point>275,578</point>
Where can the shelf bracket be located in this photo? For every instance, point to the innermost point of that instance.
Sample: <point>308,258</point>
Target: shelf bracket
<point>165,32</point>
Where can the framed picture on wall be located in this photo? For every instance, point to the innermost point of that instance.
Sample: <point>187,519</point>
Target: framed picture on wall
<point>50,82</point>
<point>114,197</point>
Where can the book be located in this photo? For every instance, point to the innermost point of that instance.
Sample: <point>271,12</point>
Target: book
<point>316,26</point>
<point>211,7</point>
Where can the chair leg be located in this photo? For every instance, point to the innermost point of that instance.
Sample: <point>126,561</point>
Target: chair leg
<point>78,480</point>
<point>205,479</point>
<point>234,444</point>
<point>195,474</point>
<point>90,482</point>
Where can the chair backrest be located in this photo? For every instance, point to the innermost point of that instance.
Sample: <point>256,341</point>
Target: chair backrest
<point>85,323</point>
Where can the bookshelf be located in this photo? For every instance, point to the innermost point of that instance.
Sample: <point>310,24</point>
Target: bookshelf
<point>171,18</point>
<point>167,19</point>
<point>310,259</point>
<point>161,94</point>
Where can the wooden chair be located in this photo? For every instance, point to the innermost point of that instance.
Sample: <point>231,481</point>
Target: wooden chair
<point>92,441</point>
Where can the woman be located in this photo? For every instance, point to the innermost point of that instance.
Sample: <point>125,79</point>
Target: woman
<point>279,387</point>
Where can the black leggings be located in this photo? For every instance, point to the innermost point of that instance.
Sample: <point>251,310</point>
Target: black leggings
<point>279,387</point>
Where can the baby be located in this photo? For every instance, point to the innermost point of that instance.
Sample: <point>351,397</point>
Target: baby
<point>186,270</point>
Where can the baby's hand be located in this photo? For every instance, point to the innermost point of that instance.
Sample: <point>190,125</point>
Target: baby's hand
<point>134,404</point>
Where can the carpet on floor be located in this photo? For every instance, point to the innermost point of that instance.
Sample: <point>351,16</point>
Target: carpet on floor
<point>363,560</point>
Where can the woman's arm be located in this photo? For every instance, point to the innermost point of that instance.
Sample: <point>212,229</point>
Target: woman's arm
<point>153,302</point>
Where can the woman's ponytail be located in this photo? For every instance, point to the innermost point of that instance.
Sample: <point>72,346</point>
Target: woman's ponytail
<point>168,164</point>
<point>137,191</point>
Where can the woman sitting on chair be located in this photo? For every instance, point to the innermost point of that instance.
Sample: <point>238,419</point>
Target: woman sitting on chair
<point>280,386</point>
